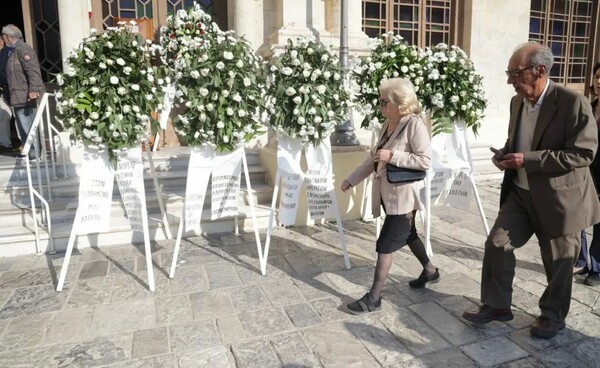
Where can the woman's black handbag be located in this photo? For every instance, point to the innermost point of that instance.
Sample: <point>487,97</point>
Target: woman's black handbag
<point>397,174</point>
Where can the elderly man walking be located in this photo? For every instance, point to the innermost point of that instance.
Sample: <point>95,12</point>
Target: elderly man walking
<point>24,79</point>
<point>547,190</point>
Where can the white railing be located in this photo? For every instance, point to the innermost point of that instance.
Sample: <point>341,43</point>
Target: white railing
<point>42,155</point>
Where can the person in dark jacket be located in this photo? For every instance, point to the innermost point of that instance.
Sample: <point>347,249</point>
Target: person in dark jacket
<point>24,80</point>
<point>5,110</point>
<point>589,264</point>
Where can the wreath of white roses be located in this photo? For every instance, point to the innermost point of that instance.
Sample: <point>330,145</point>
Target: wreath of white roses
<point>308,94</point>
<point>106,98</point>
<point>454,91</point>
<point>391,57</point>
<point>219,82</point>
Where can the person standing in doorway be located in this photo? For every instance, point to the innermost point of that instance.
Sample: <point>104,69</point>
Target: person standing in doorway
<point>547,190</point>
<point>24,79</point>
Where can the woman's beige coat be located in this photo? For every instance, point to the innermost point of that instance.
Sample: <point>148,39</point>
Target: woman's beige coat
<point>411,150</point>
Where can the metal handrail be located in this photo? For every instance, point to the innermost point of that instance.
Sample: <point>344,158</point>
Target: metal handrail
<point>36,126</point>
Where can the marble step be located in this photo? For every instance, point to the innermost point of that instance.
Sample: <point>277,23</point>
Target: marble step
<point>20,240</point>
<point>13,169</point>
<point>14,213</point>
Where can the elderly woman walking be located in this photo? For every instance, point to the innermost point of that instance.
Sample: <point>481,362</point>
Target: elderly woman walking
<point>403,142</point>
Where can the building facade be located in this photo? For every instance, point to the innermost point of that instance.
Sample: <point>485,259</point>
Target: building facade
<point>569,27</point>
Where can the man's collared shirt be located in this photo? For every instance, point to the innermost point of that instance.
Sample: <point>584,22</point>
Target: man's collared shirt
<point>528,121</point>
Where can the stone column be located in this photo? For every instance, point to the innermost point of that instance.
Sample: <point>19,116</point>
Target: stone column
<point>357,39</point>
<point>74,25</point>
<point>317,19</point>
<point>489,44</point>
<point>291,21</point>
<point>247,18</point>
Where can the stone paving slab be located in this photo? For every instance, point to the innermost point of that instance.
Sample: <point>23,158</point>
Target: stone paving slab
<point>220,311</point>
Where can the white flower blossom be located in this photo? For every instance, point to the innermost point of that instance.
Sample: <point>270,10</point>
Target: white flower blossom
<point>290,91</point>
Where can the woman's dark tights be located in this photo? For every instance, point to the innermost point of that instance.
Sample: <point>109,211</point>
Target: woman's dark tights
<point>384,263</point>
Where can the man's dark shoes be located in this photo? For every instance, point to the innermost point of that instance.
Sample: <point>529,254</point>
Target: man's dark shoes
<point>580,271</point>
<point>487,314</point>
<point>545,328</point>
<point>424,279</point>
<point>593,279</point>
<point>364,305</point>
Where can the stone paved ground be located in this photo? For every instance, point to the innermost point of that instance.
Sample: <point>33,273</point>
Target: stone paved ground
<point>219,311</point>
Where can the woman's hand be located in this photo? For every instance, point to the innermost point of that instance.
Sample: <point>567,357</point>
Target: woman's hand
<point>383,155</point>
<point>345,186</point>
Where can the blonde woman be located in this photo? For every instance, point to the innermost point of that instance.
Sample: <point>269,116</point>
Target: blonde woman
<point>404,142</point>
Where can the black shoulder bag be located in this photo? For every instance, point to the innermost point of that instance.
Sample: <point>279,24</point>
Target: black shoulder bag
<point>397,174</point>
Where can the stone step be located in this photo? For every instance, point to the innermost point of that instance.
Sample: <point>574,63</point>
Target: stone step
<point>175,159</point>
<point>166,179</point>
<point>15,241</point>
<point>12,214</point>
<point>171,165</point>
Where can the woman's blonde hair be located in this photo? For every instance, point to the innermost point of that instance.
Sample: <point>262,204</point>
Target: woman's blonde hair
<point>401,92</point>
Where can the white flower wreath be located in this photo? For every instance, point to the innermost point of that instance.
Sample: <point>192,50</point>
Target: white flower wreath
<point>445,80</point>
<point>220,82</point>
<point>106,98</point>
<point>391,57</point>
<point>453,91</point>
<point>308,95</point>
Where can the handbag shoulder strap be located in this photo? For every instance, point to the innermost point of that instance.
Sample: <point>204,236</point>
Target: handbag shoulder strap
<point>402,129</point>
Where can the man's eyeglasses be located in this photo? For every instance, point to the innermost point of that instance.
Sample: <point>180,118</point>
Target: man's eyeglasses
<point>383,102</point>
<point>515,72</point>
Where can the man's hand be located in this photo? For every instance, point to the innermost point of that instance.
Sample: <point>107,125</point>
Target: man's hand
<point>345,186</point>
<point>32,96</point>
<point>498,156</point>
<point>513,161</point>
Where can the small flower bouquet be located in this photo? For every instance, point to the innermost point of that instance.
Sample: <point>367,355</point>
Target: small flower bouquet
<point>308,95</point>
<point>391,57</point>
<point>219,82</point>
<point>453,91</point>
<point>106,97</point>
